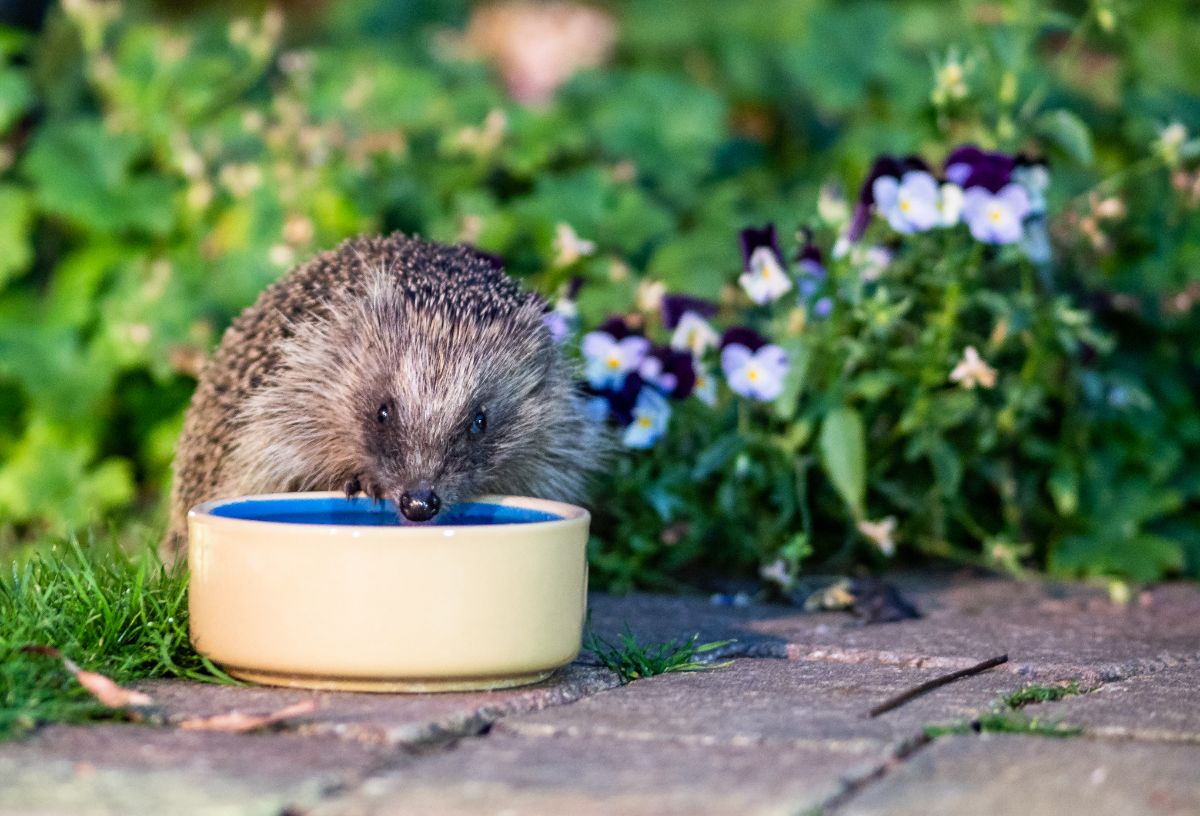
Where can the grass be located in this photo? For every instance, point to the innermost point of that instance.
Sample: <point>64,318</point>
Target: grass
<point>634,661</point>
<point>1007,718</point>
<point>1040,694</point>
<point>1006,722</point>
<point>119,614</point>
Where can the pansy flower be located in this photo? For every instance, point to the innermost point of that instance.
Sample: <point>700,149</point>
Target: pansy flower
<point>995,218</point>
<point>764,277</point>
<point>969,166</point>
<point>651,413</point>
<point>670,370</point>
<point>884,166</point>
<point>675,307</point>
<point>694,334</point>
<point>811,266</point>
<point>949,205</point>
<point>610,354</point>
<point>705,389</point>
<point>561,319</point>
<point>615,404</point>
<point>1034,177</point>
<point>753,367</point>
<point>910,203</point>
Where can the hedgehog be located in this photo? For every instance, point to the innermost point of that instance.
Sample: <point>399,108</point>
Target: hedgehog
<point>400,368</point>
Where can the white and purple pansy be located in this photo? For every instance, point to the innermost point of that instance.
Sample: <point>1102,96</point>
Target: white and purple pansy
<point>560,320</point>
<point>1034,176</point>
<point>611,352</point>
<point>764,275</point>
<point>753,367</point>
<point>909,203</point>
<point>705,389</point>
<point>995,218</point>
<point>811,267</point>
<point>669,370</point>
<point>969,166</point>
<point>686,317</point>
<point>884,166</point>
<point>694,334</point>
<point>650,416</point>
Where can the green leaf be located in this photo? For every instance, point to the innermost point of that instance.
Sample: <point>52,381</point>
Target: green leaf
<point>83,173</point>
<point>16,220</point>
<point>1063,485</point>
<point>843,453</point>
<point>16,97</point>
<point>800,355</point>
<point>1067,132</point>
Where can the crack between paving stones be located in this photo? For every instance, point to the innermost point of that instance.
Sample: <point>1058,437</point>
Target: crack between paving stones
<point>405,751</point>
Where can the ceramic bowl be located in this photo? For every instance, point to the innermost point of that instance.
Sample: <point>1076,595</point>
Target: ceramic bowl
<point>320,591</point>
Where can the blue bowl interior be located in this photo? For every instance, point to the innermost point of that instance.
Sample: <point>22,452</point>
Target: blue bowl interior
<point>364,512</point>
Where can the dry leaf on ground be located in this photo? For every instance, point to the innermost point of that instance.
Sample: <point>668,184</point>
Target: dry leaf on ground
<point>103,688</point>
<point>237,722</point>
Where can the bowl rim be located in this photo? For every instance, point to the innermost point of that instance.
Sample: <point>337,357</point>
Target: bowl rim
<point>570,515</point>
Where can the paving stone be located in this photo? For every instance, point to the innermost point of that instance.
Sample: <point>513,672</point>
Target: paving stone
<point>508,774</point>
<point>131,769</point>
<point>802,703</point>
<point>387,719</point>
<point>1160,706</point>
<point>1021,775</point>
<point>1050,632</point>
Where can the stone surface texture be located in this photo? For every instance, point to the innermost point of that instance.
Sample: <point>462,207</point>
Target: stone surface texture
<point>782,729</point>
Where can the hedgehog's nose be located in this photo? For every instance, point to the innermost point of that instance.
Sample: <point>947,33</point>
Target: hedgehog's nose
<point>420,503</point>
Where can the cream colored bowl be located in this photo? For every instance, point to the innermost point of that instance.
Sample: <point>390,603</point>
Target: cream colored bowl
<point>320,591</point>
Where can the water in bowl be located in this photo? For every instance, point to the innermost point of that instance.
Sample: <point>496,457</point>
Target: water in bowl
<point>364,512</point>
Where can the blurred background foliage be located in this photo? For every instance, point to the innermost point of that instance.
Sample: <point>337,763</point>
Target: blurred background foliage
<point>162,164</point>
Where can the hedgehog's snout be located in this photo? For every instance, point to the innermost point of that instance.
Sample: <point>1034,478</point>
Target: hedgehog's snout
<point>420,502</point>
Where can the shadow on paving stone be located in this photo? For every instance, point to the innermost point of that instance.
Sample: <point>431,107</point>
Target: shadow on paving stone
<point>1050,631</point>
<point>601,777</point>
<point>1162,706</point>
<point>131,769</point>
<point>1015,775</point>
<point>800,703</point>
<point>384,719</point>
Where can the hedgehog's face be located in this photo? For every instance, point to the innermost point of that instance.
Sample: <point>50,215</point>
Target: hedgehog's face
<point>454,411</point>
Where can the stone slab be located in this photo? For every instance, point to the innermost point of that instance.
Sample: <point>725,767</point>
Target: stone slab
<point>795,704</point>
<point>1049,631</point>
<point>1020,775</point>
<point>383,719</point>
<point>596,776</point>
<point>133,769</point>
<point>1164,705</point>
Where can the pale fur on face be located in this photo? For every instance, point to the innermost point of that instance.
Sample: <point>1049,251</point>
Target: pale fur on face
<point>315,425</point>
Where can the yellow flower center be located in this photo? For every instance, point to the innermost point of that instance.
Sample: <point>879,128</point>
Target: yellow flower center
<point>752,375</point>
<point>691,338</point>
<point>995,215</point>
<point>614,363</point>
<point>645,421</point>
<point>905,205</point>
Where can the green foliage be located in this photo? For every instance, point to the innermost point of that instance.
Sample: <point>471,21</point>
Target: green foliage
<point>118,614</point>
<point>1006,722</point>
<point>634,661</point>
<point>156,172</point>
<point>1040,694</point>
<point>1006,717</point>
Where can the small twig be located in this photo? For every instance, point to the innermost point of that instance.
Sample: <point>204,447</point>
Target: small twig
<point>901,699</point>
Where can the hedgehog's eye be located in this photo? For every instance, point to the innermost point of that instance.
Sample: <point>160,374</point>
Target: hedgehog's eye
<point>384,413</point>
<point>479,423</point>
